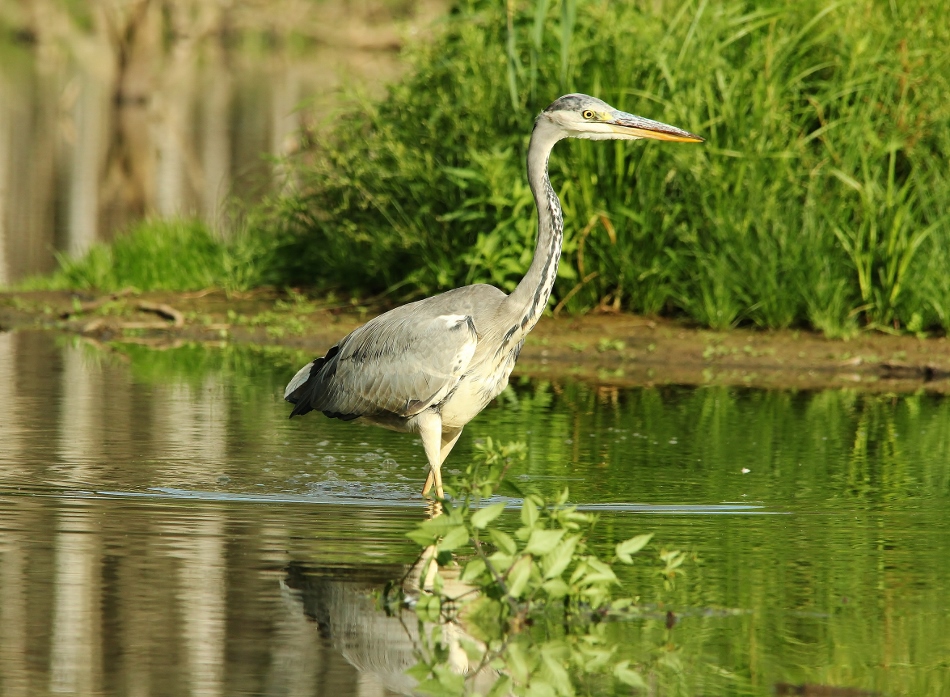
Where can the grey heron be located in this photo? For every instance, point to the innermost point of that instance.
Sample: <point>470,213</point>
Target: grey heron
<point>429,367</point>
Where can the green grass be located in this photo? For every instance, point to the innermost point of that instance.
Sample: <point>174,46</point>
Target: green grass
<point>162,255</point>
<point>819,199</point>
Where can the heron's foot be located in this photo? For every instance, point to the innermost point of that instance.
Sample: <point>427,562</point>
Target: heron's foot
<point>433,508</point>
<point>430,480</point>
<point>434,477</point>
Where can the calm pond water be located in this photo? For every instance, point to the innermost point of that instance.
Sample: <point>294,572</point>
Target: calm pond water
<point>165,529</point>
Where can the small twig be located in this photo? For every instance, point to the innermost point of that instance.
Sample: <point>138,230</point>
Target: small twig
<point>572,292</point>
<point>498,579</point>
<point>925,372</point>
<point>199,293</point>
<point>163,310</point>
<point>93,326</point>
<point>101,323</point>
<point>487,657</point>
<point>97,303</point>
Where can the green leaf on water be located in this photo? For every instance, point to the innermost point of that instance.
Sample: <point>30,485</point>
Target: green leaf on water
<point>579,571</point>
<point>456,537</point>
<point>596,657</point>
<point>621,604</point>
<point>501,562</point>
<point>421,537</point>
<point>629,547</point>
<point>596,595</point>
<point>474,569</point>
<point>483,619</point>
<point>553,656</point>
<point>559,558</point>
<point>629,676</point>
<point>518,666</point>
<point>501,688</point>
<point>482,517</point>
<point>540,688</point>
<point>510,488</point>
<point>518,576</point>
<point>600,572</point>
<point>556,588</point>
<point>428,532</point>
<point>503,541</point>
<point>529,512</point>
<point>543,541</point>
<point>552,540</point>
<point>428,608</point>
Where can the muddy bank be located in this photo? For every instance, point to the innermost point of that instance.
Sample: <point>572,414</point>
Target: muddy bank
<point>613,350</point>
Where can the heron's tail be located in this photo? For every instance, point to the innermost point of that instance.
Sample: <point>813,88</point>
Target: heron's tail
<point>297,389</point>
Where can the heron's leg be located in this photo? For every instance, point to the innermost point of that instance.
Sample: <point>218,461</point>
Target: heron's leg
<point>429,425</point>
<point>449,438</point>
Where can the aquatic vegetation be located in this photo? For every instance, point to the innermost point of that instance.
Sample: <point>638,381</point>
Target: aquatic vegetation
<point>530,604</point>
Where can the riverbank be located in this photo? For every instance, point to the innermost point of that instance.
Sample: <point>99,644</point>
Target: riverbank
<point>612,350</point>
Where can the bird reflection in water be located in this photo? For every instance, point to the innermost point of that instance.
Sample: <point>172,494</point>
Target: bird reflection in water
<point>341,610</point>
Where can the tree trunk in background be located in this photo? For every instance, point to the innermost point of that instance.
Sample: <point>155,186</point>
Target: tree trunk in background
<point>216,134</point>
<point>128,189</point>
<point>6,162</point>
<point>90,118</point>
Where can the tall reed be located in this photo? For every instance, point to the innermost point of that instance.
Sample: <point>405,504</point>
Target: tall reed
<point>820,197</point>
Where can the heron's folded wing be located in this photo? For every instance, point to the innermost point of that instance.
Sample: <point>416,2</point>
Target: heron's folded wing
<point>396,364</point>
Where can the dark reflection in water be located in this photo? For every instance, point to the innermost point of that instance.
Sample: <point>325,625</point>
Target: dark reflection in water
<point>165,529</point>
<point>343,615</point>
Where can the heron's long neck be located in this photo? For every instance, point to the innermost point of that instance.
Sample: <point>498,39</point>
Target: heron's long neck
<point>526,303</point>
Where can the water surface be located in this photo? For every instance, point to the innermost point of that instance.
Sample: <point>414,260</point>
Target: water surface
<point>165,529</point>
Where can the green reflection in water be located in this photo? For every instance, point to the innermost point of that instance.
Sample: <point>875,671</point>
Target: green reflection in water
<point>845,585</point>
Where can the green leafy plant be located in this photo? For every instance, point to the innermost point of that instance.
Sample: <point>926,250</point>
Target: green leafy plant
<point>820,197</point>
<point>165,255</point>
<point>530,602</point>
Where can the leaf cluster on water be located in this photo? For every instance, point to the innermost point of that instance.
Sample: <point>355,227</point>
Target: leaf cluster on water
<point>531,601</point>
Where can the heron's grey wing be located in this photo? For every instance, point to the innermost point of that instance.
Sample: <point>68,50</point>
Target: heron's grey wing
<point>398,363</point>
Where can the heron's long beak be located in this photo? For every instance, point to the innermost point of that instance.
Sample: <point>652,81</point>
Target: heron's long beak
<point>626,124</point>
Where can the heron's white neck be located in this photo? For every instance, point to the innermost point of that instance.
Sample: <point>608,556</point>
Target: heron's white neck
<point>526,303</point>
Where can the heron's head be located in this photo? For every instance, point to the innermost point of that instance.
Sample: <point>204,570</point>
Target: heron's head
<point>581,116</point>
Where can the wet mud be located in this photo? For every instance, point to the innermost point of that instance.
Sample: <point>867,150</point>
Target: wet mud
<point>613,350</point>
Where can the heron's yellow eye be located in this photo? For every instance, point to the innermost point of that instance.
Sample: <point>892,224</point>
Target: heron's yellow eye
<point>588,114</point>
